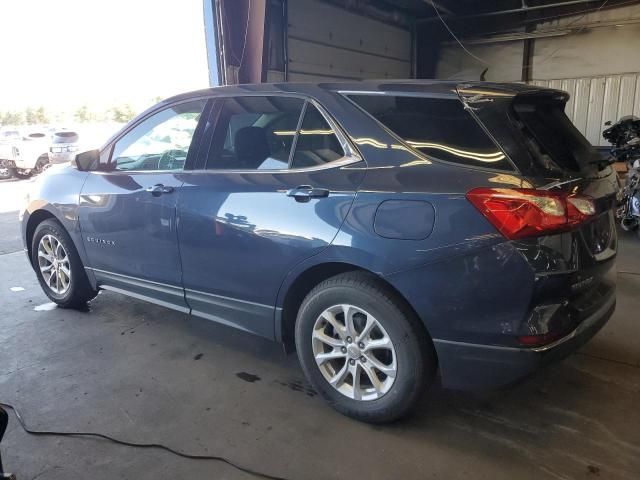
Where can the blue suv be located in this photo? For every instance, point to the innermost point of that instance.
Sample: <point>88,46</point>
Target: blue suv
<point>389,232</point>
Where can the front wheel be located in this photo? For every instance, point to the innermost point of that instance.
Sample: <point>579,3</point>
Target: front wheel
<point>58,266</point>
<point>22,174</point>
<point>362,350</point>
<point>41,165</point>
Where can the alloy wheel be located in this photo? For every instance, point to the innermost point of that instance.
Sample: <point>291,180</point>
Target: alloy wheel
<point>54,265</point>
<point>354,352</point>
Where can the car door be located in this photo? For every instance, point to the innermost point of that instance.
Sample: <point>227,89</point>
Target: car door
<point>127,211</point>
<point>277,179</point>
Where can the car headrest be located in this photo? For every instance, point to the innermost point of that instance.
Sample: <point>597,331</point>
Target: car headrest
<point>251,147</point>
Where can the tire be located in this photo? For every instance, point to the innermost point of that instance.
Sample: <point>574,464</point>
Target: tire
<point>41,165</point>
<point>78,290</point>
<point>5,173</point>
<point>411,352</point>
<point>21,175</point>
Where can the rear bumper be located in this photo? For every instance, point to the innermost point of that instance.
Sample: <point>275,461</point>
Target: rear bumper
<point>468,366</point>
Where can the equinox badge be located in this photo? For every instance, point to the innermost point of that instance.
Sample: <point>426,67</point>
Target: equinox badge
<point>101,241</point>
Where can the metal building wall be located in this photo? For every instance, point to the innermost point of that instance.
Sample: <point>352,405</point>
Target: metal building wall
<point>326,42</point>
<point>594,100</point>
<point>598,65</point>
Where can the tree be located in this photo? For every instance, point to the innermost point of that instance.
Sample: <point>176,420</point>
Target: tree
<point>30,116</point>
<point>11,118</point>
<point>122,113</point>
<point>41,115</point>
<point>35,115</point>
<point>83,115</point>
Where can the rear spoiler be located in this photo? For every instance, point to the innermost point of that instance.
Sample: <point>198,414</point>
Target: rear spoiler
<point>475,94</point>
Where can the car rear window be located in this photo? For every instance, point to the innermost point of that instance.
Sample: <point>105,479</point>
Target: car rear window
<point>439,128</point>
<point>552,138</point>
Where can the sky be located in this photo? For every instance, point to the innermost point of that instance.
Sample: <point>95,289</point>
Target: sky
<point>65,53</point>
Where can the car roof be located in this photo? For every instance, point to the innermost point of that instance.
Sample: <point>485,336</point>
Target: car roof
<point>420,86</point>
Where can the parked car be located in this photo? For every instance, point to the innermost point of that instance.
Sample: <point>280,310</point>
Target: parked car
<point>26,154</point>
<point>6,136</point>
<point>387,231</point>
<point>5,171</point>
<point>64,146</point>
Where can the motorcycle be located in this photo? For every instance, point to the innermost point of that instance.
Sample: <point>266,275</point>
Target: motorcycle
<point>624,137</point>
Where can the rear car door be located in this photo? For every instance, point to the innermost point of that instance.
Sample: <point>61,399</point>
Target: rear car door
<point>275,181</point>
<point>128,211</point>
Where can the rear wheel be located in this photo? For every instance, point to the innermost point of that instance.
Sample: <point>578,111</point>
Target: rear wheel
<point>58,266</point>
<point>362,350</point>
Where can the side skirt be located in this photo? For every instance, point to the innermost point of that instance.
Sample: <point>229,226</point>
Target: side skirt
<point>250,317</point>
<point>162,294</point>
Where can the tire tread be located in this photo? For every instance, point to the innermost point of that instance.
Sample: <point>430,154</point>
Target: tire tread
<point>370,284</point>
<point>81,290</point>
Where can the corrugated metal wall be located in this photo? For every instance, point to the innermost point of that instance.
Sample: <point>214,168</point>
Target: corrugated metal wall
<point>594,100</point>
<point>326,42</point>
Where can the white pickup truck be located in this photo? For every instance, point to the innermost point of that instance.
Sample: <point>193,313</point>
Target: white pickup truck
<point>25,155</point>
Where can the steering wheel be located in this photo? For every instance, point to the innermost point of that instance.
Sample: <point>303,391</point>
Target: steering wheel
<point>168,160</point>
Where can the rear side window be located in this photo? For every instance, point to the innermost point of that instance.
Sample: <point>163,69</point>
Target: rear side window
<point>271,133</point>
<point>317,143</point>
<point>439,128</point>
<point>255,133</point>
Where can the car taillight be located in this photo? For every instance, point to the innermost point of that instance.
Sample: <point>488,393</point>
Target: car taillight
<point>539,340</point>
<point>525,212</point>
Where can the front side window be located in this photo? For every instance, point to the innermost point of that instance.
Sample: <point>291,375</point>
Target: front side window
<point>254,133</point>
<point>160,142</point>
<point>440,128</point>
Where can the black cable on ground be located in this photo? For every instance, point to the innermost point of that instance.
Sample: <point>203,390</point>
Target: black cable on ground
<point>157,446</point>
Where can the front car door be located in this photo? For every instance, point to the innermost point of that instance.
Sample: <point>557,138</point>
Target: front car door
<point>275,183</point>
<point>128,210</point>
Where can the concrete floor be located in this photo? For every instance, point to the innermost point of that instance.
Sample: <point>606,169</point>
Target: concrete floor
<point>148,374</point>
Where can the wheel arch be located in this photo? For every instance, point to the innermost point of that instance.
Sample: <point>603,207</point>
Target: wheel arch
<point>306,280</point>
<point>35,219</point>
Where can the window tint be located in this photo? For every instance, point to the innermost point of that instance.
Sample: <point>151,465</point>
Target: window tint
<point>160,142</point>
<point>317,143</point>
<point>254,133</point>
<point>440,128</point>
<point>553,139</point>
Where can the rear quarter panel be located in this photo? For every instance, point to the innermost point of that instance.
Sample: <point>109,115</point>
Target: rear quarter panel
<point>454,277</point>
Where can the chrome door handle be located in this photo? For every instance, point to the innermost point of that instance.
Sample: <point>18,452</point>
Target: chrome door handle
<point>304,193</point>
<point>158,189</point>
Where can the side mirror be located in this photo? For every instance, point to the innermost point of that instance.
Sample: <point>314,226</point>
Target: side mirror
<point>87,161</point>
<point>608,122</point>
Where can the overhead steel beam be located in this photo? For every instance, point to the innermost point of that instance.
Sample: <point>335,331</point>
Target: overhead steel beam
<point>510,11</point>
<point>212,41</point>
<point>543,33</point>
<point>439,6</point>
